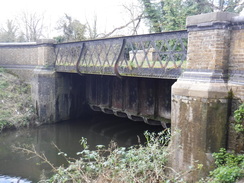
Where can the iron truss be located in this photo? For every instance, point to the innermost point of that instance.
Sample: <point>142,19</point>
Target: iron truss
<point>159,55</point>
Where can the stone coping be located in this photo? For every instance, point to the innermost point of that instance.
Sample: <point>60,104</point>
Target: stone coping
<point>214,17</point>
<point>215,20</point>
<point>38,42</point>
<point>18,44</point>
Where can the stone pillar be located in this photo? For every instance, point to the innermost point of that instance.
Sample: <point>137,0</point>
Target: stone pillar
<point>200,97</point>
<point>236,80</point>
<point>57,96</point>
<point>46,54</point>
<point>44,82</point>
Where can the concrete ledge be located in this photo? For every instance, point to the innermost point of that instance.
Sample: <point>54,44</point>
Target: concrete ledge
<point>237,19</point>
<point>214,17</point>
<point>200,90</point>
<point>18,44</point>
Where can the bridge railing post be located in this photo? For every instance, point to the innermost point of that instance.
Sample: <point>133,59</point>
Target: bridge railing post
<point>46,54</point>
<point>236,81</point>
<point>200,97</point>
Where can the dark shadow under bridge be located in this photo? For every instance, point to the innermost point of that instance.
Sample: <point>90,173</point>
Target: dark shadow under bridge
<point>146,67</point>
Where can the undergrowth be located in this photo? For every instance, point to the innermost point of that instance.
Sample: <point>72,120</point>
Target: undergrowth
<point>229,167</point>
<point>136,164</point>
<point>16,108</point>
<point>239,119</point>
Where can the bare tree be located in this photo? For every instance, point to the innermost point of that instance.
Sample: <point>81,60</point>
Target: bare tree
<point>92,28</point>
<point>9,32</point>
<point>31,25</point>
<point>136,14</point>
<point>124,26</point>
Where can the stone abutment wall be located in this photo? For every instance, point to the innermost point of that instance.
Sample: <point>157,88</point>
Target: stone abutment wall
<point>208,92</point>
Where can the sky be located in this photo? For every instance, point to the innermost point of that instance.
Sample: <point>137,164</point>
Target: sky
<point>110,13</point>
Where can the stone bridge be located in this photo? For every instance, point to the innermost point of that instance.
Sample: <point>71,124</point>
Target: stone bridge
<point>190,80</point>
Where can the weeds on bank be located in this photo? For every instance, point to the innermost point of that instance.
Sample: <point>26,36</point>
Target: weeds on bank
<point>239,119</point>
<point>140,164</point>
<point>137,164</point>
<point>229,167</point>
<point>15,101</point>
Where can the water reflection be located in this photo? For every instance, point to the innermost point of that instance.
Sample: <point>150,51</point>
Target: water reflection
<point>7,179</point>
<point>99,129</point>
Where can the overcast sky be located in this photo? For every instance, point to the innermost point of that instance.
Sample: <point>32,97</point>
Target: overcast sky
<point>110,13</point>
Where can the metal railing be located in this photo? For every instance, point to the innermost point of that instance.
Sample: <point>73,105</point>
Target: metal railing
<point>160,55</point>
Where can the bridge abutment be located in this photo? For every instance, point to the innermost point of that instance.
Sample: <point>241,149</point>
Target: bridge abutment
<point>201,97</point>
<point>56,96</point>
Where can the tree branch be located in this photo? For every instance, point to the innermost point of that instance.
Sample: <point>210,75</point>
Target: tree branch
<point>124,26</point>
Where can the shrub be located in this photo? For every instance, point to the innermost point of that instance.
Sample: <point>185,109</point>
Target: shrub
<point>239,118</point>
<point>230,167</point>
<point>16,107</point>
<point>141,163</point>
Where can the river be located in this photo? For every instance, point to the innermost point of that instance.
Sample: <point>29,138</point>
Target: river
<point>99,129</point>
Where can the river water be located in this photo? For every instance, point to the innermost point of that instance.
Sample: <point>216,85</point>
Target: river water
<point>99,129</point>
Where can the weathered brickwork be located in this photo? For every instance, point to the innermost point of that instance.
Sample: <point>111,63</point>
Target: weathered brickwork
<point>46,55</point>
<point>208,92</point>
<point>208,49</point>
<point>24,58</point>
<point>27,53</point>
<point>237,50</point>
<point>19,55</point>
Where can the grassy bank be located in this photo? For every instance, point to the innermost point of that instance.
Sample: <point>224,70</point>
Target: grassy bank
<point>16,109</point>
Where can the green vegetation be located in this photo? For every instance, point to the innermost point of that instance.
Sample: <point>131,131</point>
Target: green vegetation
<point>117,164</point>
<point>168,15</point>
<point>16,108</point>
<point>239,119</point>
<point>142,163</point>
<point>230,167</point>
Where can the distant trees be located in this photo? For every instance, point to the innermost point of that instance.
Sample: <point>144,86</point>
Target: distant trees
<point>9,32</point>
<point>92,28</point>
<point>235,6</point>
<point>26,27</point>
<point>165,15</point>
<point>31,26</point>
<point>160,15</point>
<point>72,30</point>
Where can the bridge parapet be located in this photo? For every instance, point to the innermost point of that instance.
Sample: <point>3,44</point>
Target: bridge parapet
<point>204,97</point>
<point>161,55</point>
<point>24,58</point>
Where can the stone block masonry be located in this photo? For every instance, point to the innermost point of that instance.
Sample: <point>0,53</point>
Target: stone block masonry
<point>202,98</point>
<point>23,58</point>
<point>57,96</point>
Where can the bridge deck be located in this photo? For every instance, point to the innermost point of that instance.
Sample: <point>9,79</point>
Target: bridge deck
<point>160,55</point>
